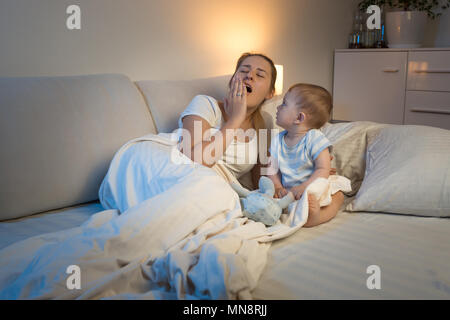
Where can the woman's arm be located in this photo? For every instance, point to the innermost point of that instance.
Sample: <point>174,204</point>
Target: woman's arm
<point>208,152</point>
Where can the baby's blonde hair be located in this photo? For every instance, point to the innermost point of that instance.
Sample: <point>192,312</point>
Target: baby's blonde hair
<point>314,101</point>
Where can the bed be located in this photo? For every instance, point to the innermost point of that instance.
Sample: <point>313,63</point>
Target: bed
<point>390,240</point>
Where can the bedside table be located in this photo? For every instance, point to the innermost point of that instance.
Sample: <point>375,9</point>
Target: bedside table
<point>394,86</point>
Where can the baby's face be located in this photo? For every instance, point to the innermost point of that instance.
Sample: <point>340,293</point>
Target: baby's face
<point>287,112</point>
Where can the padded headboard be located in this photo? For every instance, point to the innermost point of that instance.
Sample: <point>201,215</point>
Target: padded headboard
<point>58,136</point>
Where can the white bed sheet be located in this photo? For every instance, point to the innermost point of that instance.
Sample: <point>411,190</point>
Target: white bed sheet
<point>325,262</point>
<point>19,229</point>
<point>330,261</point>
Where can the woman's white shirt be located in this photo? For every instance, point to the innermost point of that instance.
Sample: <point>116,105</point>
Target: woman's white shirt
<point>240,156</point>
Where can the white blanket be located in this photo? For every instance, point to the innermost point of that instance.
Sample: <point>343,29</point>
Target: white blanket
<point>181,236</point>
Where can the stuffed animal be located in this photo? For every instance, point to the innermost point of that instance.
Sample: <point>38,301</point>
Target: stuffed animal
<point>259,205</point>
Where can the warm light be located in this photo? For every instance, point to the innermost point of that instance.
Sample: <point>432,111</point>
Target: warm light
<point>279,81</point>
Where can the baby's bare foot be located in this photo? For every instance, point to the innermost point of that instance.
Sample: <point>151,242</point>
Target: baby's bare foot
<point>314,206</point>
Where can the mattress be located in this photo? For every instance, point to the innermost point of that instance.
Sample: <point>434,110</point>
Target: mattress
<point>19,229</point>
<point>329,261</point>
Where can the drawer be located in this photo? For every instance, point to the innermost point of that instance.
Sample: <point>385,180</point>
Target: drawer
<point>428,108</point>
<point>429,70</point>
<point>369,86</point>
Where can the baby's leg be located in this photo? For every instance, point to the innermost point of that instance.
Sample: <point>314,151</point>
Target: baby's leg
<point>318,215</point>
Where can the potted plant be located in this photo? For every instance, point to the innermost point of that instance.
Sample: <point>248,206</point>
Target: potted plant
<point>406,19</point>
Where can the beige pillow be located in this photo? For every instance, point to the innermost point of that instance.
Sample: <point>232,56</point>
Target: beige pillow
<point>269,110</point>
<point>407,172</point>
<point>349,142</point>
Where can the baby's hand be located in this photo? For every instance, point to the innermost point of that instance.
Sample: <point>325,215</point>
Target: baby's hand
<point>280,192</point>
<point>332,170</point>
<point>297,191</point>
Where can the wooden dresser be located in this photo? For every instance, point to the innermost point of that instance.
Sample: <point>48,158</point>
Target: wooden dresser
<point>396,86</point>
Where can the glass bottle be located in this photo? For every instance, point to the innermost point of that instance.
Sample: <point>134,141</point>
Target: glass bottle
<point>358,30</point>
<point>353,35</point>
<point>382,43</point>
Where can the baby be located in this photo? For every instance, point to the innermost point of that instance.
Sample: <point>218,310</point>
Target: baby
<point>300,154</point>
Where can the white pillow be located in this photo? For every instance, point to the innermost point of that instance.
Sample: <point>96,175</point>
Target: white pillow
<point>407,172</point>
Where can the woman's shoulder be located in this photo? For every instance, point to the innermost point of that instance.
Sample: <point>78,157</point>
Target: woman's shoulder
<point>206,107</point>
<point>211,102</point>
<point>205,98</point>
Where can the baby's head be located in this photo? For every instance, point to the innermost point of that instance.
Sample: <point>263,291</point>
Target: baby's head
<point>305,105</point>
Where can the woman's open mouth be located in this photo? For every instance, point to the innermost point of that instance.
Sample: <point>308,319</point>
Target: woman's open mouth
<point>249,89</point>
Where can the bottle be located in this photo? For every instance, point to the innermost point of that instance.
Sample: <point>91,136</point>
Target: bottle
<point>366,32</point>
<point>351,42</point>
<point>353,35</point>
<point>382,43</point>
<point>363,29</point>
<point>358,30</point>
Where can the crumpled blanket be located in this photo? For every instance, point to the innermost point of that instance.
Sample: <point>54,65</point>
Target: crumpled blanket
<point>170,232</point>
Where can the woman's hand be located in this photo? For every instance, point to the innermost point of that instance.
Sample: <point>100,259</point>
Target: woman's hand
<point>235,104</point>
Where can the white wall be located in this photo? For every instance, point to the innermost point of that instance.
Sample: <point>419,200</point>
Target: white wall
<point>176,39</point>
<point>172,39</point>
<point>438,31</point>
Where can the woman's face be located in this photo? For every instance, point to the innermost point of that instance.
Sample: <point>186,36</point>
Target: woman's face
<point>256,73</point>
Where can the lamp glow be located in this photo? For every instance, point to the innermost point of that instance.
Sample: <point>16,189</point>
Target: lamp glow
<point>279,81</point>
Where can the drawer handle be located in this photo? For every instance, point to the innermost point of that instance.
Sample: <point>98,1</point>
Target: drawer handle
<point>391,70</point>
<point>432,71</point>
<point>430,111</point>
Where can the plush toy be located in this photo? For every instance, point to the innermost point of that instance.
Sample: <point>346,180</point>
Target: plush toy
<point>259,205</point>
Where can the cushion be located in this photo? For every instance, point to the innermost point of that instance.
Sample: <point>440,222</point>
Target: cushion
<point>269,111</point>
<point>349,142</point>
<point>407,172</point>
<point>58,136</point>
